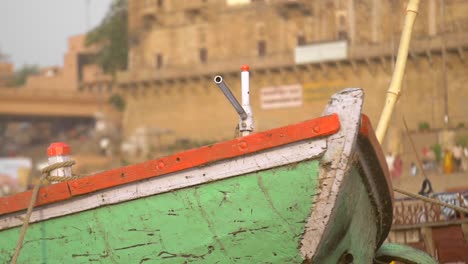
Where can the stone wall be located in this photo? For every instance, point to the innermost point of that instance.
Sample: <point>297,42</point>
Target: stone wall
<point>197,109</point>
<point>177,93</point>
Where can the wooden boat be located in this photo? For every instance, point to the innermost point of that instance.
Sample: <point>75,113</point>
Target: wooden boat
<point>313,192</point>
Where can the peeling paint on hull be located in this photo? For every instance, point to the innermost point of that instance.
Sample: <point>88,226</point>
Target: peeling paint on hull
<point>253,218</point>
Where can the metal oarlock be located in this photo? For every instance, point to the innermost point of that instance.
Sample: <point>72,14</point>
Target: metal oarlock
<point>244,111</point>
<point>231,98</point>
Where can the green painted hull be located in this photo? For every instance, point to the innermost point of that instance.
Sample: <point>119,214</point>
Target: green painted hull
<point>354,229</point>
<point>253,218</point>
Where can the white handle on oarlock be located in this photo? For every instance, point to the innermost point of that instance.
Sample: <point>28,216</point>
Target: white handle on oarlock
<point>246,126</point>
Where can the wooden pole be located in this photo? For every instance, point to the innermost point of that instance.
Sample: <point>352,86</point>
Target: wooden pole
<point>395,86</point>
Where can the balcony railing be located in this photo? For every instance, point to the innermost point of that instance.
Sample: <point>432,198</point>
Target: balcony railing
<point>410,212</point>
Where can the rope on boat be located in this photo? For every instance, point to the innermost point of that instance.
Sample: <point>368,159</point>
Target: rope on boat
<point>433,201</point>
<point>414,148</point>
<point>45,176</point>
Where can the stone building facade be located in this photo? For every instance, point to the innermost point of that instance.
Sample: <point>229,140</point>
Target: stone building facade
<point>78,67</point>
<point>309,49</point>
<point>6,73</point>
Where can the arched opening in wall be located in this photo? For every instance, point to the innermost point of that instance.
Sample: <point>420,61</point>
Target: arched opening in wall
<point>83,60</point>
<point>341,25</point>
<point>160,3</point>
<point>148,22</point>
<point>158,61</point>
<point>203,54</point>
<point>261,48</point>
<point>342,35</point>
<point>301,39</point>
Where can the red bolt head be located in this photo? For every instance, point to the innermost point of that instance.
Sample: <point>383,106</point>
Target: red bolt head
<point>58,148</point>
<point>245,67</point>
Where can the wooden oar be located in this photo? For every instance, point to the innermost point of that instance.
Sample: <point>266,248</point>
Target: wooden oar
<point>395,85</point>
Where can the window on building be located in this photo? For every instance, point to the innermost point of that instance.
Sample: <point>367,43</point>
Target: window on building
<point>203,55</point>
<point>342,35</point>
<point>261,47</point>
<point>342,32</point>
<point>159,61</point>
<point>301,40</point>
<point>148,22</point>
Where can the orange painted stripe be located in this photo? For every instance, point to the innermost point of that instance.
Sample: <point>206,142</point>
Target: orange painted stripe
<point>366,126</point>
<point>47,194</point>
<point>314,128</point>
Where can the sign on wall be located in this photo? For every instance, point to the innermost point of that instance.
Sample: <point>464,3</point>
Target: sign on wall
<point>318,52</point>
<point>283,96</point>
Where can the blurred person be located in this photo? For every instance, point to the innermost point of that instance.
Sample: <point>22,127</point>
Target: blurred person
<point>428,159</point>
<point>448,162</point>
<point>413,169</point>
<point>464,164</point>
<point>104,144</point>
<point>397,167</point>
<point>457,157</point>
<point>7,185</point>
<point>390,159</point>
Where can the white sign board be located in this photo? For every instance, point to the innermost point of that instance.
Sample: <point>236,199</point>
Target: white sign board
<point>318,52</point>
<point>283,96</point>
<point>238,2</point>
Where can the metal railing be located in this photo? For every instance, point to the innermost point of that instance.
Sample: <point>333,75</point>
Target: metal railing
<point>410,211</point>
